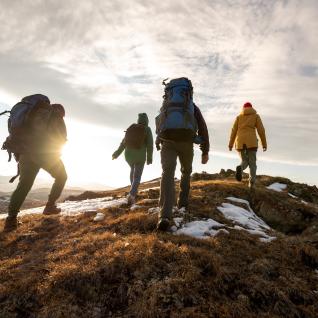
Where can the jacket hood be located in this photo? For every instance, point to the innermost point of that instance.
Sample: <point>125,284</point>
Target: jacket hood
<point>248,111</point>
<point>143,119</point>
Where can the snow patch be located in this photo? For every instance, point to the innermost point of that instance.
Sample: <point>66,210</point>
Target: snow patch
<point>182,210</point>
<point>245,219</point>
<point>72,208</point>
<point>200,229</point>
<point>135,207</point>
<point>238,200</point>
<point>291,195</point>
<point>99,217</point>
<point>154,210</point>
<point>178,221</point>
<point>278,187</point>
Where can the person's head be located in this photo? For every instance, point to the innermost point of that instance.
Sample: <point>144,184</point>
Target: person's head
<point>59,109</point>
<point>143,119</point>
<point>247,105</point>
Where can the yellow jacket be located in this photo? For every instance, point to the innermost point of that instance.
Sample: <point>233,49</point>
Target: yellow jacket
<point>244,130</point>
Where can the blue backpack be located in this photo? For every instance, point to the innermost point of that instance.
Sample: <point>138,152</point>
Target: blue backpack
<point>22,110</point>
<point>177,111</point>
<point>18,122</point>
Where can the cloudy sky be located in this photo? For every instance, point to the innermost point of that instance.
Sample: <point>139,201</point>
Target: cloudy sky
<point>105,60</point>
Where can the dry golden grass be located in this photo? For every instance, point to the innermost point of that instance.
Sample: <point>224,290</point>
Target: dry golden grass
<point>121,267</point>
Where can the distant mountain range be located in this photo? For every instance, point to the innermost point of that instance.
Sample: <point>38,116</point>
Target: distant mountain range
<point>6,187</point>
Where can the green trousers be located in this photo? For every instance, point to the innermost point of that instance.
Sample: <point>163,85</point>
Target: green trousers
<point>29,166</point>
<point>170,151</point>
<point>248,158</point>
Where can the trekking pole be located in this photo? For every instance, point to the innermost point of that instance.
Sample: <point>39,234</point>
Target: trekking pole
<point>5,112</point>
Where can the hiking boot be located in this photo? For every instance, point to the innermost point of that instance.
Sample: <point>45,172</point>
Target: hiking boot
<point>163,225</point>
<point>251,185</point>
<point>51,209</point>
<point>183,206</point>
<point>10,225</point>
<point>131,199</point>
<point>238,173</point>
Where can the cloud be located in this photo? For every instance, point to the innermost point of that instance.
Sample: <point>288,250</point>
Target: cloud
<point>105,61</point>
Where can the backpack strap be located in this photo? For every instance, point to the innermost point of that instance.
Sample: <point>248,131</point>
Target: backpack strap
<point>18,173</point>
<point>5,112</point>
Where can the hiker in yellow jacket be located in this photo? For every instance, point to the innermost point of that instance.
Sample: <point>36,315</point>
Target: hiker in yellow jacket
<point>246,143</point>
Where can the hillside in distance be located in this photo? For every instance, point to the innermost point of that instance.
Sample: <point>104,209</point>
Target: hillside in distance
<point>235,254</point>
<point>36,198</point>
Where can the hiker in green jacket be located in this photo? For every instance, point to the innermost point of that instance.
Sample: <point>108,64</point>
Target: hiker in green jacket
<point>138,146</point>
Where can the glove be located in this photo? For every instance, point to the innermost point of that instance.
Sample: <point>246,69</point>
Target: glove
<point>230,148</point>
<point>264,148</point>
<point>205,158</point>
<point>158,146</point>
<point>149,162</point>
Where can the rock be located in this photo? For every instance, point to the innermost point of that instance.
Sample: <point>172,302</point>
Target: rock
<point>153,193</point>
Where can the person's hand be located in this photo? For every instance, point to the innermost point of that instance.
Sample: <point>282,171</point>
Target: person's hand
<point>264,148</point>
<point>149,162</point>
<point>158,147</point>
<point>230,148</point>
<point>205,159</point>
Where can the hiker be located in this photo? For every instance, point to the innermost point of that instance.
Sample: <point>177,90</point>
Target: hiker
<point>179,125</point>
<point>37,133</point>
<point>246,143</point>
<point>138,146</point>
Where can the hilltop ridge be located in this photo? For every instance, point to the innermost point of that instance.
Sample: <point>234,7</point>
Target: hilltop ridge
<point>234,255</point>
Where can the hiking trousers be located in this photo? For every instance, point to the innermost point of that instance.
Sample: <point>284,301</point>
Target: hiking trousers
<point>248,158</point>
<point>170,151</point>
<point>136,170</point>
<point>29,166</point>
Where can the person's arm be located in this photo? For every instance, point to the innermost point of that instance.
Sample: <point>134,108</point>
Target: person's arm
<point>202,131</point>
<point>233,134</point>
<point>120,149</point>
<point>149,146</point>
<point>261,132</point>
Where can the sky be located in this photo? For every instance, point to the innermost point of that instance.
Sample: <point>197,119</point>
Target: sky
<point>105,61</point>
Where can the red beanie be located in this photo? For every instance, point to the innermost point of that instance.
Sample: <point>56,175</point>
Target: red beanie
<point>247,105</point>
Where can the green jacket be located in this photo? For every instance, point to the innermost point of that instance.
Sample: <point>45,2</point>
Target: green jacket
<point>134,156</point>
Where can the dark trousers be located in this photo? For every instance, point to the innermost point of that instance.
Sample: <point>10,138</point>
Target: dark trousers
<point>29,166</point>
<point>248,157</point>
<point>170,151</point>
<point>136,170</point>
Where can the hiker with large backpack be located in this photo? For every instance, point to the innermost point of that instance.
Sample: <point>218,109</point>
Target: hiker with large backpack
<point>138,146</point>
<point>37,133</point>
<point>243,134</point>
<point>179,125</point>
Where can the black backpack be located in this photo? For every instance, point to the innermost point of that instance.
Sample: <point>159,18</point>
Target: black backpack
<point>135,136</point>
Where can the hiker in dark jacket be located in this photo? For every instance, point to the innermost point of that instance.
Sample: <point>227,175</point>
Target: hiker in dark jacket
<point>178,143</point>
<point>43,151</point>
<point>136,158</point>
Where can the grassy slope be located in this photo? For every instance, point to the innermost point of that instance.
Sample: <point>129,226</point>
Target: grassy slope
<point>73,267</point>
